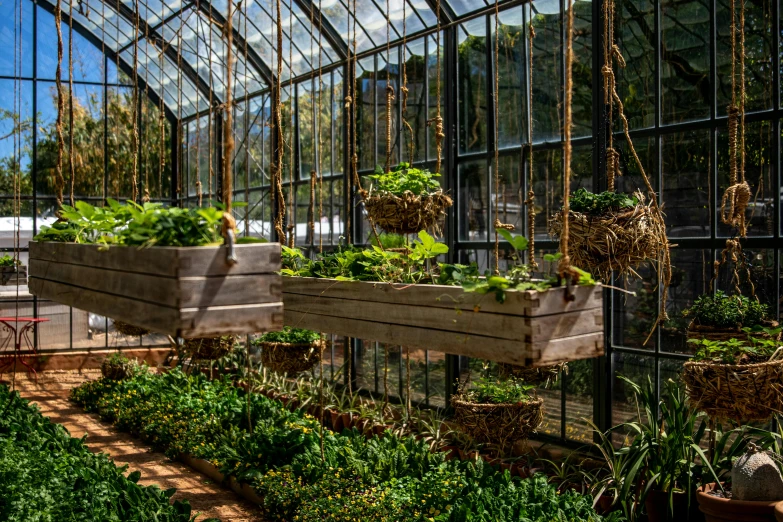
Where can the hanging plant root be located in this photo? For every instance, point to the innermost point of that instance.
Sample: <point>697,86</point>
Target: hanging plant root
<point>407,214</point>
<point>129,329</point>
<point>614,242</point>
<point>499,424</point>
<point>531,375</point>
<point>738,392</point>
<point>712,333</point>
<point>209,348</point>
<point>291,359</point>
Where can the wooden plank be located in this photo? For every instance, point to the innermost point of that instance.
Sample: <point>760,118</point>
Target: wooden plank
<point>224,320</point>
<point>452,297</point>
<point>481,323</point>
<point>188,292</point>
<point>501,350</point>
<point>163,261</point>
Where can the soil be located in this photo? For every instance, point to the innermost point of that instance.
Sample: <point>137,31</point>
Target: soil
<point>211,500</point>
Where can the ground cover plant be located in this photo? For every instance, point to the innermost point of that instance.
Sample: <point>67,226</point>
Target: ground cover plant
<point>278,451</point>
<point>46,475</point>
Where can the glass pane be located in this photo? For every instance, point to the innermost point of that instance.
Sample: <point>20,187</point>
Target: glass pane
<point>547,82</point>
<point>472,81</point>
<point>432,72</point>
<point>512,98</point>
<point>633,316</point>
<point>473,202</point>
<point>510,201</point>
<point>366,113</point>
<point>637,368</point>
<point>691,275</point>
<point>87,59</point>
<point>388,113</point>
<point>578,383</point>
<point>11,62</point>
<point>16,148</point>
<point>687,176</point>
<point>415,112</point>
<point>636,82</point>
<point>685,60</point>
<point>583,69</point>
<point>547,172</point>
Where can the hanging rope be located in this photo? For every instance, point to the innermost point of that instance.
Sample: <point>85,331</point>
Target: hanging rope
<point>161,118</point>
<point>496,158</point>
<point>437,121</point>
<point>229,223</point>
<point>735,199</point>
<point>564,267</point>
<point>59,181</point>
<point>404,89</point>
<point>135,111</point>
<point>277,170</point>
<point>180,129</point>
<point>389,90</point>
<point>144,110</point>
<point>71,159</point>
<point>530,202</point>
<point>320,139</point>
<point>199,191</point>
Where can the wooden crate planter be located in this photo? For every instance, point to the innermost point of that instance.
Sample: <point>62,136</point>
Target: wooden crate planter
<point>179,291</point>
<point>13,275</point>
<point>530,328</point>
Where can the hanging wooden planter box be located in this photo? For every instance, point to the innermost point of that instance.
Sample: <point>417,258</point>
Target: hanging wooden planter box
<point>13,275</point>
<point>530,328</point>
<point>179,291</point>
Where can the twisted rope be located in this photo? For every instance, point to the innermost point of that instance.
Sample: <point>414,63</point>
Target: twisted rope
<point>530,202</point>
<point>59,181</point>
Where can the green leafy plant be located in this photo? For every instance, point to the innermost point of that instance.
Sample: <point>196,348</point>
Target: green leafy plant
<point>720,310</point>
<point>585,202</point>
<point>738,351</point>
<point>289,335</point>
<point>9,261</point>
<point>493,391</point>
<point>404,178</point>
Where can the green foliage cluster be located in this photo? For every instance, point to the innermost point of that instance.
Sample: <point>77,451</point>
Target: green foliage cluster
<point>8,260</point>
<point>289,335</point>
<point>720,310</point>
<point>498,391</point>
<point>45,475</point>
<point>662,450</point>
<point>132,224</point>
<point>404,178</point>
<point>738,351</point>
<point>585,202</point>
<point>381,479</point>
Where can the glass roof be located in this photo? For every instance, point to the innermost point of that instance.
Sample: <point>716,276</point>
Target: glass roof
<point>203,48</point>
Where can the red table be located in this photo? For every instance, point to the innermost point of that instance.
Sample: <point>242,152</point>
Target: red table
<point>18,329</point>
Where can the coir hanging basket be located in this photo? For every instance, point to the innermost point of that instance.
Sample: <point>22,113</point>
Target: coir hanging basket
<point>613,242</point>
<point>714,333</point>
<point>406,214</point>
<point>129,329</point>
<point>529,374</point>
<point>499,424</point>
<point>289,358</point>
<point>117,369</point>
<point>209,348</point>
<point>739,392</point>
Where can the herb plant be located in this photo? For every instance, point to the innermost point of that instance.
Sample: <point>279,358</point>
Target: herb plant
<point>738,351</point>
<point>9,261</point>
<point>585,202</point>
<point>289,335</point>
<point>405,178</point>
<point>492,391</point>
<point>727,311</point>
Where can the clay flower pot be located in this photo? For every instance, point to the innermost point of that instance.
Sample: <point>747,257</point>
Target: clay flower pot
<point>452,452</point>
<point>718,509</point>
<point>335,419</point>
<point>779,512</point>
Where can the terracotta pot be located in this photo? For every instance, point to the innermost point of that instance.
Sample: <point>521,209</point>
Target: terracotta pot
<point>779,512</point>
<point>657,505</point>
<point>452,452</point>
<point>717,509</point>
<point>604,504</point>
<point>348,420</point>
<point>335,420</point>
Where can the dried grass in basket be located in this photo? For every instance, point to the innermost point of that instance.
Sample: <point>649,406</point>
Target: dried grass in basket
<point>209,348</point>
<point>289,358</point>
<point>617,241</point>
<point>499,424</point>
<point>739,392</point>
<point>129,329</point>
<point>713,333</point>
<point>115,370</point>
<point>406,214</point>
<point>531,375</point>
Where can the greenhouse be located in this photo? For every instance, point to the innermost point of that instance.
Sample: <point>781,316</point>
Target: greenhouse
<point>391,260</point>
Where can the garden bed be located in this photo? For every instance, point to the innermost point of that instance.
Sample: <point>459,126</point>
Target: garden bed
<point>529,328</point>
<point>179,291</point>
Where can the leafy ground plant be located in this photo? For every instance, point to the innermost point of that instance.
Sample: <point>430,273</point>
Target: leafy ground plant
<point>45,475</point>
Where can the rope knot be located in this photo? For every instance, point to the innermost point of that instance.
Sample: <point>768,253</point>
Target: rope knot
<point>348,102</point>
<point>618,56</point>
<point>504,226</point>
<point>734,205</point>
<point>229,223</point>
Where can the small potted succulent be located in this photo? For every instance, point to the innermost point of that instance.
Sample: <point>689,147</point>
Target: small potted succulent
<point>737,379</point>
<point>291,351</point>
<point>498,412</point>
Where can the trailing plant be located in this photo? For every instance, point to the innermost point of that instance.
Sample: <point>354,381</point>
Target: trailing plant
<point>586,202</point>
<point>288,335</point>
<point>720,310</point>
<point>46,475</point>
<point>738,351</point>
<point>404,178</point>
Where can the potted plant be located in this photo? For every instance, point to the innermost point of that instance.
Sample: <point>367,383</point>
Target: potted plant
<point>291,351</point>
<point>129,329</point>
<point>117,367</point>
<point>497,412</point>
<point>405,200</point>
<point>209,348</point>
<point>721,317</point>
<point>737,379</point>
<point>12,271</point>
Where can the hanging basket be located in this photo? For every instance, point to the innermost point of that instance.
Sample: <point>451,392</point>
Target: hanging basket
<point>406,214</point>
<point>739,392</point>
<point>500,424</point>
<point>613,242</point>
<point>531,375</point>
<point>291,359</point>
<point>713,333</point>
<point>117,369</point>
<point>209,348</point>
<point>13,275</point>
<point>129,329</point>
